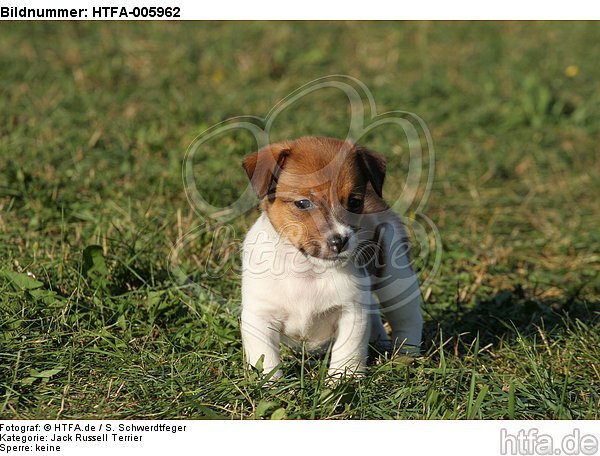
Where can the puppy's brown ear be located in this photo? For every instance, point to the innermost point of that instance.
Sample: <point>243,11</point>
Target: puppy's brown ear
<point>263,169</point>
<point>372,166</point>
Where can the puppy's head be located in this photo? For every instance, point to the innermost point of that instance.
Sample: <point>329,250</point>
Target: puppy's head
<point>315,190</point>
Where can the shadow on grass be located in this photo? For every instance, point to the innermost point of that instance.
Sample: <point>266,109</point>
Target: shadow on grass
<point>502,317</point>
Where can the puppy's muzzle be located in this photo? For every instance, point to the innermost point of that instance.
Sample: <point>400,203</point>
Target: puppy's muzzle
<point>337,243</point>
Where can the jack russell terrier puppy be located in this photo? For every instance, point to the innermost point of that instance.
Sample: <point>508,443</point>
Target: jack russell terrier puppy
<point>325,244</point>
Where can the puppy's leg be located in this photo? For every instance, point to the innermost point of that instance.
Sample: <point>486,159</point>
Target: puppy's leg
<point>397,289</point>
<point>350,349</point>
<point>378,338</point>
<point>260,338</point>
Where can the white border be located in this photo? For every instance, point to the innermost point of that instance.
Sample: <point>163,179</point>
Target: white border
<point>464,438</point>
<point>347,9</point>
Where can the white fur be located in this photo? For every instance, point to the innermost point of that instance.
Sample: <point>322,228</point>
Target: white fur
<point>311,302</point>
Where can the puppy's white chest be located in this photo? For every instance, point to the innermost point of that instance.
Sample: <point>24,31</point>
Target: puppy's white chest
<point>312,306</point>
<point>304,299</point>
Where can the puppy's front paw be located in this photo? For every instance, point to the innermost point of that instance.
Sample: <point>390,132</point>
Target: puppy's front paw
<point>400,347</point>
<point>338,374</point>
<point>268,374</point>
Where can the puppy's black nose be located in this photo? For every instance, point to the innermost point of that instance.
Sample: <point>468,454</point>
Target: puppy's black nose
<point>337,243</point>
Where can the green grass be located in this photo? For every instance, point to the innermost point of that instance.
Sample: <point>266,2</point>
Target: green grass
<point>95,120</point>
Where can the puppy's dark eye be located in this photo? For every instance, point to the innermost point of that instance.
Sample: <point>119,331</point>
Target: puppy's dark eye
<point>355,204</point>
<point>303,204</point>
